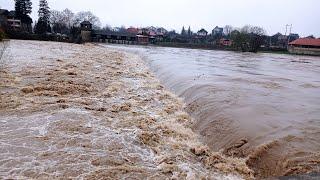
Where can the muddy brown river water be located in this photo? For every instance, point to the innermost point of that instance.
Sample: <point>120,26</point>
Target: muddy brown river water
<point>72,111</point>
<point>265,107</point>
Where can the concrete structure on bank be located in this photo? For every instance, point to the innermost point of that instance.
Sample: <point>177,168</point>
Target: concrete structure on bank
<point>305,46</point>
<point>86,31</point>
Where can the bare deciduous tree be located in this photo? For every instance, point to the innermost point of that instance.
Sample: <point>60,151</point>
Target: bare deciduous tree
<point>87,16</point>
<point>61,21</point>
<point>227,30</point>
<point>56,17</point>
<point>107,28</point>
<point>257,30</point>
<point>247,29</point>
<point>249,38</point>
<point>68,16</point>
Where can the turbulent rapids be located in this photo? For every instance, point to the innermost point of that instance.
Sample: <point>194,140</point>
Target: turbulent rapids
<point>87,112</point>
<point>262,107</point>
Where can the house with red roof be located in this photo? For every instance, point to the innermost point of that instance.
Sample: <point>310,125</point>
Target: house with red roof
<point>225,42</point>
<point>305,46</point>
<point>133,30</point>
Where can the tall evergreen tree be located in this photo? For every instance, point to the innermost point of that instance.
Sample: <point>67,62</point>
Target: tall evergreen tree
<point>43,24</point>
<point>44,11</point>
<point>189,31</point>
<point>183,31</point>
<point>22,9</point>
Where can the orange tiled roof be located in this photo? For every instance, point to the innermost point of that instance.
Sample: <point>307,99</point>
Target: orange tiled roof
<point>306,42</point>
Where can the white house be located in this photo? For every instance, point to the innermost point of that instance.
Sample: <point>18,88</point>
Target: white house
<point>202,32</point>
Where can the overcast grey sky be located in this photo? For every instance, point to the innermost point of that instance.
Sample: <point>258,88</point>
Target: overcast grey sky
<point>273,15</point>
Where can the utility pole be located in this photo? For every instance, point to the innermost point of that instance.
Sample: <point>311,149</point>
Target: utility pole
<point>290,29</point>
<point>287,25</point>
<point>289,33</point>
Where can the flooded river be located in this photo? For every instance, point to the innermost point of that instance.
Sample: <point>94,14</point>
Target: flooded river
<point>265,107</point>
<point>71,111</point>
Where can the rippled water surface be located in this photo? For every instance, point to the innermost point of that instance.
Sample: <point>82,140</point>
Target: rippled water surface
<point>262,106</point>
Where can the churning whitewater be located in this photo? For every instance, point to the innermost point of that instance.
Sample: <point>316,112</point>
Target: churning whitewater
<point>90,112</point>
<point>262,107</point>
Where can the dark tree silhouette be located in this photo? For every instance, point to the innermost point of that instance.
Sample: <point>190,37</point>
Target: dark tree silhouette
<point>61,21</point>
<point>189,31</point>
<point>43,24</point>
<point>22,10</point>
<point>183,31</point>
<point>249,38</point>
<point>44,11</point>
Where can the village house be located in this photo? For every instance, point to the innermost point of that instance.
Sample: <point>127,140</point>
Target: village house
<point>305,46</point>
<point>293,37</point>
<point>142,39</point>
<point>152,36</point>
<point>144,31</point>
<point>152,28</point>
<point>9,21</point>
<point>279,40</point>
<point>146,35</point>
<point>25,25</point>
<point>118,37</point>
<point>13,23</point>
<point>202,33</point>
<point>171,35</point>
<point>133,30</point>
<point>130,35</point>
<point>161,31</point>
<point>217,31</point>
<point>225,42</point>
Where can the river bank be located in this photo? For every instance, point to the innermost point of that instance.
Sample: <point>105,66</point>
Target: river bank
<point>84,111</point>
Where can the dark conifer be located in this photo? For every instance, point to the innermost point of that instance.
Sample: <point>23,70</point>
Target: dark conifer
<point>189,31</point>
<point>43,24</point>
<point>44,11</point>
<point>183,31</point>
<point>22,10</point>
